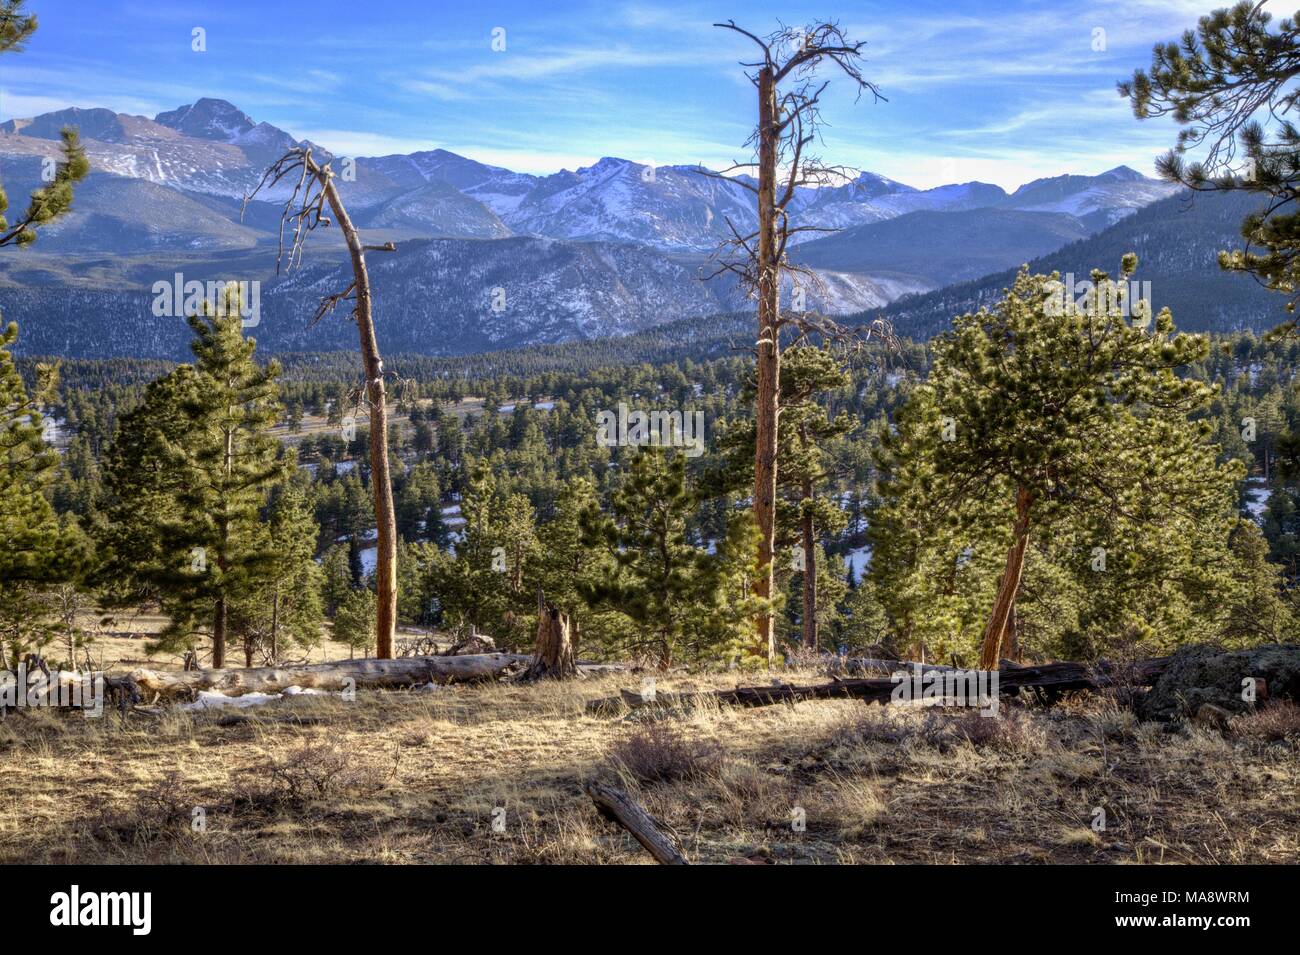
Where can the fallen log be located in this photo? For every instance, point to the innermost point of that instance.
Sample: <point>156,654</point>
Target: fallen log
<point>837,666</point>
<point>338,675</point>
<point>1052,677</point>
<point>616,805</point>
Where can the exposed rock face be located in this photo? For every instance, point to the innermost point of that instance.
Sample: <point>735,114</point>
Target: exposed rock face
<point>1200,674</point>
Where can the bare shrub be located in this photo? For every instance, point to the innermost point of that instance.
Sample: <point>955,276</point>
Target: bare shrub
<point>166,801</point>
<point>661,753</point>
<point>1012,731</point>
<point>1276,722</point>
<point>876,724</point>
<point>321,770</point>
<point>1113,720</point>
<point>159,812</point>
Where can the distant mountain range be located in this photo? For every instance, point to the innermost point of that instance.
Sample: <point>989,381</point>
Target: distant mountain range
<point>611,248</point>
<point>1177,241</point>
<point>211,148</point>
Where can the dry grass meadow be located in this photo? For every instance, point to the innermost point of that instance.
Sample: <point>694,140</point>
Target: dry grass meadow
<point>420,777</point>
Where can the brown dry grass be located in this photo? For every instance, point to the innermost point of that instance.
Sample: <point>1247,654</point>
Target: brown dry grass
<point>420,777</point>
<point>121,645</point>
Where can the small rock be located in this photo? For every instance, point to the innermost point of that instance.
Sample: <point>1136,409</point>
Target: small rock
<point>1215,716</point>
<point>759,856</point>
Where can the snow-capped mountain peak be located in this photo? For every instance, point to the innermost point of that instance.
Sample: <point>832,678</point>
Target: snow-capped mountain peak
<point>212,147</point>
<point>214,119</point>
<point>1123,173</point>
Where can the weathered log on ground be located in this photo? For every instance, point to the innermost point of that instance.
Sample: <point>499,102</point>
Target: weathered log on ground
<point>370,672</point>
<point>589,667</point>
<point>1053,677</point>
<point>836,666</point>
<point>618,806</point>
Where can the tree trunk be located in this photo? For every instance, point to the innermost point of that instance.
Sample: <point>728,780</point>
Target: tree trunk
<point>769,358</point>
<point>275,626</point>
<point>219,623</point>
<point>554,655</point>
<point>219,634</point>
<point>1005,601</point>
<point>1011,649</point>
<point>809,573</point>
<point>380,480</point>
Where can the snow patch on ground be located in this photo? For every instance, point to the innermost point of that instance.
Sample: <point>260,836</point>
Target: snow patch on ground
<point>212,699</point>
<point>1257,495</point>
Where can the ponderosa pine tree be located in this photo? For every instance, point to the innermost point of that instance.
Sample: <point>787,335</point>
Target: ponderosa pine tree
<point>54,199</point>
<point>284,606</point>
<point>140,493</point>
<point>807,373</point>
<point>488,583</point>
<point>864,625</point>
<point>1044,410</point>
<point>1219,81</point>
<point>933,559</point>
<point>27,523</point>
<point>230,463</point>
<point>570,564</point>
<point>38,550</point>
<point>337,578</point>
<point>313,189</point>
<point>805,435</point>
<point>189,473</point>
<point>515,524</point>
<point>354,624</point>
<point>471,586</point>
<point>417,511</point>
<point>684,601</point>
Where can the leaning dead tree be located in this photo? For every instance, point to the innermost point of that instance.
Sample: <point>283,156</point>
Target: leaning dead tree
<point>304,210</point>
<point>789,96</point>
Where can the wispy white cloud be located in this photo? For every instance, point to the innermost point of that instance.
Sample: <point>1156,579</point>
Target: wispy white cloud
<point>356,142</point>
<point>529,161</point>
<point>1006,92</point>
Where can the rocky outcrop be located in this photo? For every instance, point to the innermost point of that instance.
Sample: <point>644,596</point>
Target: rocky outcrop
<point>1200,675</point>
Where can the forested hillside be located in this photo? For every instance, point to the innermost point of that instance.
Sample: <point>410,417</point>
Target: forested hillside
<point>1177,241</point>
<point>527,424</point>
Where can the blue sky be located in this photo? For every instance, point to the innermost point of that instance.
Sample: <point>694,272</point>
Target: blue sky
<point>1001,91</point>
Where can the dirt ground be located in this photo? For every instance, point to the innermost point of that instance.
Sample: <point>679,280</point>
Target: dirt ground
<point>494,774</point>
